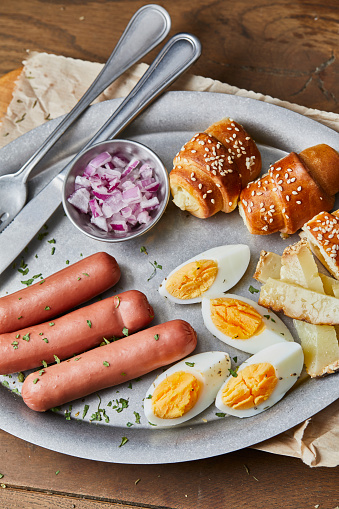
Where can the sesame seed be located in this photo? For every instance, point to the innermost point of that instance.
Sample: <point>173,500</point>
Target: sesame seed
<point>212,200</point>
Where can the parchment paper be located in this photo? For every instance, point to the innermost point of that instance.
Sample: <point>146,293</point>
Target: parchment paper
<point>50,85</point>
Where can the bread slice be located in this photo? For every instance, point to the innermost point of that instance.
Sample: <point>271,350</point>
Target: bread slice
<point>269,265</point>
<point>322,233</point>
<point>299,303</point>
<point>320,346</point>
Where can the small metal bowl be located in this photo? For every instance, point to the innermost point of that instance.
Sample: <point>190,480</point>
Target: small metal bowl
<point>131,149</point>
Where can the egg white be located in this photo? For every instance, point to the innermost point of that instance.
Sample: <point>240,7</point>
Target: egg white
<point>275,330</point>
<point>287,359</point>
<point>232,263</point>
<point>210,368</point>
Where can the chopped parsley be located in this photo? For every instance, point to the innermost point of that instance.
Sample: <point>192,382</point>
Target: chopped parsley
<point>190,364</point>
<point>124,441</point>
<point>253,290</point>
<point>155,266</point>
<point>143,250</point>
<point>233,372</point>
<point>105,363</point>
<point>125,331</point>
<point>15,345</point>
<point>26,337</point>
<point>156,337</point>
<point>121,404</point>
<point>89,323</point>
<point>84,413</point>
<point>220,414</point>
<point>57,360</point>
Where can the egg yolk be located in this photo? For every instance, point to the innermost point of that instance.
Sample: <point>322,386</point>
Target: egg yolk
<point>235,318</point>
<point>252,385</point>
<point>175,395</point>
<point>193,279</point>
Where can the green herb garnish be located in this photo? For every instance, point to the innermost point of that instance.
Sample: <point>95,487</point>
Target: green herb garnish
<point>105,363</point>
<point>155,266</point>
<point>124,441</point>
<point>232,372</point>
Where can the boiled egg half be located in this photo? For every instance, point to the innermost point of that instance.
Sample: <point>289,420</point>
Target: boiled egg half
<point>261,381</point>
<point>242,323</point>
<point>186,389</point>
<point>213,271</point>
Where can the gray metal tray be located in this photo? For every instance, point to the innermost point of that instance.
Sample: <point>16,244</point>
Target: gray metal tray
<point>164,127</point>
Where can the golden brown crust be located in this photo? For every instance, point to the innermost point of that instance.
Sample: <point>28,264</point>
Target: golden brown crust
<point>322,162</point>
<point>205,178</point>
<point>283,199</point>
<point>240,146</point>
<point>322,231</point>
<point>204,168</point>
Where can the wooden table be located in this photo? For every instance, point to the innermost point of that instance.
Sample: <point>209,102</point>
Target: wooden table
<point>284,49</point>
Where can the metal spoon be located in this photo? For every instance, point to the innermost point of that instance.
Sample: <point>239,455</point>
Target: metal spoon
<point>180,52</point>
<point>146,29</point>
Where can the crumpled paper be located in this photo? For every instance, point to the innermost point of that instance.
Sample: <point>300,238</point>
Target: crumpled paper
<point>50,86</point>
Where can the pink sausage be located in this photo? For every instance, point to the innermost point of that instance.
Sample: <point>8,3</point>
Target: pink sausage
<point>109,365</point>
<point>75,332</point>
<point>59,292</point>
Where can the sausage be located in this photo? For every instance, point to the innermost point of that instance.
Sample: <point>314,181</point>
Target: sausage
<point>59,292</point>
<point>109,365</point>
<point>74,332</point>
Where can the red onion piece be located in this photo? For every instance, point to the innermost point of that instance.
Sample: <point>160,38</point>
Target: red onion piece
<point>117,193</point>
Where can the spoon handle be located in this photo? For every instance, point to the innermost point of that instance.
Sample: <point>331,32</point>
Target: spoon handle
<point>146,29</point>
<point>179,53</point>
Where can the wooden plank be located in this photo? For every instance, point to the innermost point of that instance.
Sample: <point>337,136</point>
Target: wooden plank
<point>284,49</point>
<point>230,480</point>
<point>18,499</point>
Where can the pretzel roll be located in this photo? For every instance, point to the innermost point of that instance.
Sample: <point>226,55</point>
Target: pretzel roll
<point>204,179</point>
<point>322,233</point>
<point>240,146</point>
<point>211,169</point>
<point>322,162</point>
<point>284,198</point>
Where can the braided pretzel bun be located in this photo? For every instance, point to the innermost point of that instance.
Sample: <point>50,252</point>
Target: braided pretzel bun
<point>211,169</point>
<point>295,189</point>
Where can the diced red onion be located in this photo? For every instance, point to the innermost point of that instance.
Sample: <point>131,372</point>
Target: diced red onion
<point>80,199</point>
<point>95,208</point>
<point>117,193</point>
<point>101,159</point>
